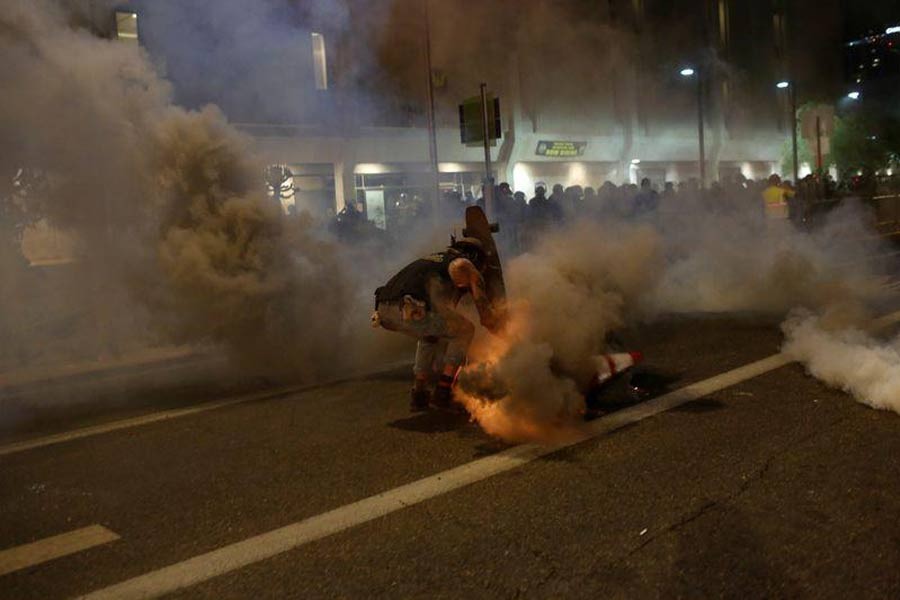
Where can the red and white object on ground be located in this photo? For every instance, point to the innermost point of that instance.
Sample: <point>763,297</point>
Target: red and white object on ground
<point>609,365</point>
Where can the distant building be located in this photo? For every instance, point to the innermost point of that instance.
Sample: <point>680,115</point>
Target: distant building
<point>339,95</point>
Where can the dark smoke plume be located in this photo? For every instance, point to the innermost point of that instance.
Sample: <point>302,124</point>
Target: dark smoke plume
<point>169,203</point>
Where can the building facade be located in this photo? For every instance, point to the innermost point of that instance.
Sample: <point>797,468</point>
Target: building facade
<point>589,90</point>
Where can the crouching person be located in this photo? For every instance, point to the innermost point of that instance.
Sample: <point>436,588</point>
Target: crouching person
<point>421,301</point>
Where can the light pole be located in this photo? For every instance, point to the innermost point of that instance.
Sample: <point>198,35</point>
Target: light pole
<point>432,129</point>
<point>691,72</point>
<point>792,90</point>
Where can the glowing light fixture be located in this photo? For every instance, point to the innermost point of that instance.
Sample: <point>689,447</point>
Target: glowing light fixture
<point>371,169</point>
<point>320,62</point>
<point>890,30</point>
<point>782,84</point>
<point>635,161</point>
<point>853,95</point>
<point>687,72</point>
<point>126,25</point>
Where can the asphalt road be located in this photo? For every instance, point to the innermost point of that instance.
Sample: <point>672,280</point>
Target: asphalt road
<point>774,487</point>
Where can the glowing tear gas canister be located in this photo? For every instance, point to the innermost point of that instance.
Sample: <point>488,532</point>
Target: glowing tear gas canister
<point>609,365</point>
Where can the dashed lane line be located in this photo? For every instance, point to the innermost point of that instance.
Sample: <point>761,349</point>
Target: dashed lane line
<point>41,551</point>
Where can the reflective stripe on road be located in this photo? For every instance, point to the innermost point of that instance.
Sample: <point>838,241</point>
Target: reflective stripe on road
<point>41,551</point>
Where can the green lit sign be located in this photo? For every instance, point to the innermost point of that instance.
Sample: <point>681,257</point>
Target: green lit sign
<point>560,149</point>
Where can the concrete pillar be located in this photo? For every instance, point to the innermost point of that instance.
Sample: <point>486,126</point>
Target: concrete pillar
<point>344,184</point>
<point>344,176</point>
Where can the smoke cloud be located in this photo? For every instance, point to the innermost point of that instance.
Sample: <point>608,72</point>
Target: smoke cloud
<point>169,202</point>
<point>847,358</point>
<point>734,263</point>
<point>576,287</point>
<point>580,284</point>
<point>179,237</point>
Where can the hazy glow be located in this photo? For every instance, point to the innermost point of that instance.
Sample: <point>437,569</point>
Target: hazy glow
<point>687,72</point>
<point>782,84</point>
<point>522,179</point>
<point>577,174</point>
<point>853,95</point>
<point>371,168</point>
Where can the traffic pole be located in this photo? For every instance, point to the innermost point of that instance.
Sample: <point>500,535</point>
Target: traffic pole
<point>819,146</point>
<point>488,193</point>
<point>794,133</point>
<point>700,128</point>
<point>432,129</point>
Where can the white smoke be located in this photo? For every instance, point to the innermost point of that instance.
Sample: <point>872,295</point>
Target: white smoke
<point>580,283</point>
<point>848,358</point>
<point>729,263</point>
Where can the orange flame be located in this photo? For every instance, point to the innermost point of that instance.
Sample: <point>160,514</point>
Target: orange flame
<point>494,415</point>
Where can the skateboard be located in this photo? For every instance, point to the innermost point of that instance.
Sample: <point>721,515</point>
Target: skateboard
<point>477,226</point>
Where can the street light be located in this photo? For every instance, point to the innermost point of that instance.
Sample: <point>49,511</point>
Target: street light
<point>793,92</point>
<point>690,72</point>
<point>854,95</point>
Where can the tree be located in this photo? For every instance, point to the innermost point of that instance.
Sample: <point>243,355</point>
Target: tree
<point>865,141</point>
<point>806,153</point>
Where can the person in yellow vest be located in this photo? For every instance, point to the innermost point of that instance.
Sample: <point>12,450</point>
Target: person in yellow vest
<point>775,199</point>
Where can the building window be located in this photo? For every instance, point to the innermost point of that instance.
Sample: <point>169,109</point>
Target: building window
<point>320,63</point>
<point>126,26</point>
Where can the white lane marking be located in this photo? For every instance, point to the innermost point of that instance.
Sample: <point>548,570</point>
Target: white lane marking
<point>35,553</point>
<point>258,548</point>
<point>255,549</point>
<point>84,432</point>
<point>77,434</point>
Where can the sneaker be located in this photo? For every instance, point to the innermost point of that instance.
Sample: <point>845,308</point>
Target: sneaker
<point>418,400</point>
